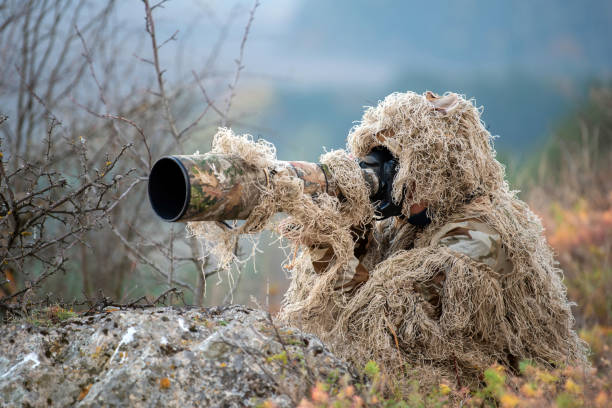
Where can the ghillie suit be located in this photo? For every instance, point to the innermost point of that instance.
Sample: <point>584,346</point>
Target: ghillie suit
<point>475,286</point>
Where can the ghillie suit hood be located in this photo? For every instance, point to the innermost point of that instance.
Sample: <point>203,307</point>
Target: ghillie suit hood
<point>475,287</point>
<point>444,151</point>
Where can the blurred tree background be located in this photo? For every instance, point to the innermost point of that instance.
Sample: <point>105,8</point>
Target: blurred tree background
<point>127,82</point>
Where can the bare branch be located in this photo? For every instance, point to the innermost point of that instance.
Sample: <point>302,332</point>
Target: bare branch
<point>146,261</point>
<point>209,102</point>
<point>150,27</point>
<point>239,63</point>
<point>171,38</point>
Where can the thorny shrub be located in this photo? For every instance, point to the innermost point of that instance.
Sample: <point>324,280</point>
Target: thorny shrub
<point>86,106</point>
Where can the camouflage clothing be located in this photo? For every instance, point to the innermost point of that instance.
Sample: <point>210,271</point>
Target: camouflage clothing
<point>477,240</point>
<point>469,237</point>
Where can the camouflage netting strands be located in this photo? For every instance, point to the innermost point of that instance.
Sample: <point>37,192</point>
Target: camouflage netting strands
<point>313,218</point>
<point>476,286</point>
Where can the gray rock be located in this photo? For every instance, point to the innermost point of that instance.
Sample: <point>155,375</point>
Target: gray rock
<point>166,357</point>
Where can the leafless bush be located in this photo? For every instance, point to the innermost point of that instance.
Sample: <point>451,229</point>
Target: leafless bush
<point>78,143</point>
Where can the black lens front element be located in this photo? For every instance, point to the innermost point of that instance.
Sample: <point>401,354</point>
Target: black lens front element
<point>169,188</point>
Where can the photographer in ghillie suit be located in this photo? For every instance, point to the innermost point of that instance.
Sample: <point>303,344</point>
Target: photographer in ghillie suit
<point>457,277</point>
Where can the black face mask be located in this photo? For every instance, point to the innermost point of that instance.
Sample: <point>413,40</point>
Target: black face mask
<point>419,219</point>
<point>385,166</point>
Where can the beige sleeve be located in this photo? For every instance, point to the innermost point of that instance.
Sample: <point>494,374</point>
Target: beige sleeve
<point>478,241</point>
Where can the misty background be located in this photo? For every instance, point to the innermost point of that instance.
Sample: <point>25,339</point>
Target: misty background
<point>311,66</point>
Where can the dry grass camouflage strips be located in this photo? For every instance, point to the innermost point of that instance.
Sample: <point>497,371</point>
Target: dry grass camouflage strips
<point>475,287</point>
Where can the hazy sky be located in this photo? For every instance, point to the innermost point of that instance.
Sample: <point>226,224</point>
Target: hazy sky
<point>312,65</point>
<point>322,41</point>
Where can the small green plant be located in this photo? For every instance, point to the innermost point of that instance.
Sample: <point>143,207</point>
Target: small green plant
<point>371,369</point>
<point>525,365</point>
<point>565,400</point>
<point>280,357</point>
<point>332,377</point>
<point>49,316</point>
<point>495,380</point>
<point>64,314</point>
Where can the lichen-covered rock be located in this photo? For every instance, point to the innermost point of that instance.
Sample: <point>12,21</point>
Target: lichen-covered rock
<point>167,357</point>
